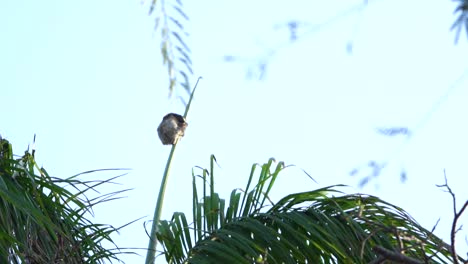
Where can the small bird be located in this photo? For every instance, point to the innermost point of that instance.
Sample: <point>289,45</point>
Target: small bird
<point>172,128</point>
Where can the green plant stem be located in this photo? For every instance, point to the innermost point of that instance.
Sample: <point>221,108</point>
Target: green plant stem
<point>153,241</point>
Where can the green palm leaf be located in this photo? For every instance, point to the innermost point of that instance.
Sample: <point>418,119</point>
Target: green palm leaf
<point>319,226</point>
<point>43,221</point>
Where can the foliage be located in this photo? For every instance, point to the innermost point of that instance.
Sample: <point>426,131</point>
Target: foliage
<point>462,19</point>
<point>319,226</point>
<point>176,52</point>
<point>174,49</point>
<point>42,221</point>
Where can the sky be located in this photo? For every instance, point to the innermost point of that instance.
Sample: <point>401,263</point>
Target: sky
<point>87,79</point>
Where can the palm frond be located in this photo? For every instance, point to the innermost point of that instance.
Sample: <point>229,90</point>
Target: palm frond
<point>42,221</point>
<point>319,226</point>
<point>175,50</point>
<point>461,22</point>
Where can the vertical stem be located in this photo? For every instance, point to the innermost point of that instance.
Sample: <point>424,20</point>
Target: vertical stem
<point>153,241</point>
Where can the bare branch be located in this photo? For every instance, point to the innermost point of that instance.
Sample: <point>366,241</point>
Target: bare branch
<point>457,215</point>
<point>395,256</point>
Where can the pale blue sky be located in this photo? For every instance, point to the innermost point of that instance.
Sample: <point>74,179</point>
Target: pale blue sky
<point>86,78</point>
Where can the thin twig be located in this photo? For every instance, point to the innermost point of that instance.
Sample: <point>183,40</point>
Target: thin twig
<point>457,215</point>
